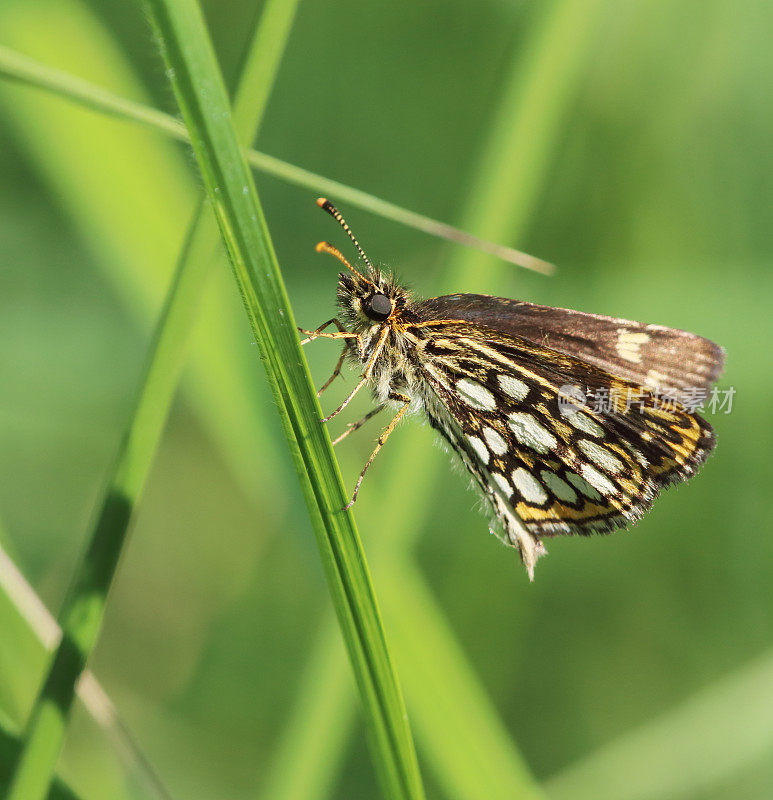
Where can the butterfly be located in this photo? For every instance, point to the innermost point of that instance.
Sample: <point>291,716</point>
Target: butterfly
<point>568,423</point>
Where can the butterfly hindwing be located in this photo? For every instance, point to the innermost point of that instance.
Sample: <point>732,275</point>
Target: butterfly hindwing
<point>551,467</point>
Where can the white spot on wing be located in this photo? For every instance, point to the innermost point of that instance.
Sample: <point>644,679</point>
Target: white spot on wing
<point>597,480</point>
<point>530,433</point>
<point>475,395</point>
<point>480,448</point>
<point>600,456</point>
<point>584,423</point>
<point>497,444</point>
<point>655,378</point>
<point>529,487</point>
<point>629,344</point>
<point>512,386</point>
<point>560,488</point>
<point>503,483</point>
<point>436,374</point>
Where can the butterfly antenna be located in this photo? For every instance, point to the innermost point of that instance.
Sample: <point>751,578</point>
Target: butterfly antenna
<point>325,247</point>
<point>325,204</point>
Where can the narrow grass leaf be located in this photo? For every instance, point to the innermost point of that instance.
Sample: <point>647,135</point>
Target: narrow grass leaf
<point>135,223</point>
<point>314,737</point>
<point>84,606</point>
<point>202,99</point>
<point>455,717</point>
<point>30,632</point>
<point>686,752</point>
<point>10,745</point>
<point>540,87</point>
<point>17,67</point>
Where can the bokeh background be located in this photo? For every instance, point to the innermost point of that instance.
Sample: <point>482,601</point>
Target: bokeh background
<point>626,141</point>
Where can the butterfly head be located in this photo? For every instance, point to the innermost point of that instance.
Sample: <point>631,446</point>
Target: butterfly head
<point>365,300</point>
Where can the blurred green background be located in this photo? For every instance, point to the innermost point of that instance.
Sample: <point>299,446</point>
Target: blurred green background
<point>627,142</point>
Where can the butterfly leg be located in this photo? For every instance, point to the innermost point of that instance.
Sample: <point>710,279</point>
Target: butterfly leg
<point>311,335</point>
<point>341,334</point>
<point>336,371</point>
<point>365,375</point>
<point>406,401</point>
<point>353,426</point>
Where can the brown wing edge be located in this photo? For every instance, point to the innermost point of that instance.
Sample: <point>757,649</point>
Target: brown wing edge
<point>670,358</point>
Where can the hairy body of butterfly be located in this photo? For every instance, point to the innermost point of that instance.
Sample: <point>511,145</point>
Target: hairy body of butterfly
<point>489,373</point>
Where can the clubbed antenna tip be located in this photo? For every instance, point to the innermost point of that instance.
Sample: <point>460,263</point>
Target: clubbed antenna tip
<point>325,204</point>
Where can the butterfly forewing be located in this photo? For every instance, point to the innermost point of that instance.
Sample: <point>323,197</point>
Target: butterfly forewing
<point>647,355</point>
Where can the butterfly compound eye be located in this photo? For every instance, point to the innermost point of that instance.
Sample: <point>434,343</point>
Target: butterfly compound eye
<point>378,308</point>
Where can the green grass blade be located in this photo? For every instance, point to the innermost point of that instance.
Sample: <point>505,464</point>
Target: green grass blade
<point>10,745</point>
<point>17,67</point>
<point>260,67</point>
<point>29,633</point>
<point>313,741</point>
<point>27,636</point>
<point>457,725</point>
<point>202,99</point>
<point>23,69</point>
<point>722,731</point>
<point>512,169</point>
<point>53,133</point>
<point>135,223</point>
<point>525,131</point>
<point>83,609</point>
